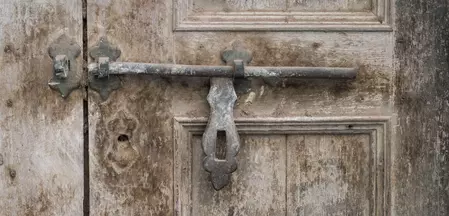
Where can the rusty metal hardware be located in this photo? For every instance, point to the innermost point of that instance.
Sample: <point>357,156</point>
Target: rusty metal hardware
<point>221,99</point>
<point>103,78</point>
<point>103,73</point>
<point>129,68</point>
<point>102,53</point>
<point>61,66</point>
<point>64,52</point>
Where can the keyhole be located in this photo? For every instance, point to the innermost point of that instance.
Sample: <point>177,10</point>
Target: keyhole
<point>220,147</point>
<point>123,138</point>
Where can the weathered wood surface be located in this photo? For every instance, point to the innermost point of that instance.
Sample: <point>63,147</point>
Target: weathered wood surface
<point>257,187</point>
<point>131,134</point>
<point>327,5</point>
<point>278,15</point>
<point>421,177</point>
<point>290,175</point>
<point>369,95</point>
<point>131,149</point>
<point>237,5</point>
<point>41,134</point>
<point>306,166</point>
<point>329,175</point>
<point>282,5</point>
<point>135,176</point>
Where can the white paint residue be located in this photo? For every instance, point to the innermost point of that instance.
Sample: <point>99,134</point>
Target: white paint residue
<point>250,98</point>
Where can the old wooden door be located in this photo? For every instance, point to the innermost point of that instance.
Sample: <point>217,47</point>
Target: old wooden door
<point>41,133</point>
<point>377,145</point>
<point>308,147</point>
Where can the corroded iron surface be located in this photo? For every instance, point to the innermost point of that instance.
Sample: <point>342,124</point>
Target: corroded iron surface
<point>221,99</point>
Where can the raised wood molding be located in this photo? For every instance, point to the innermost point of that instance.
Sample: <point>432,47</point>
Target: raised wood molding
<point>185,19</point>
<point>376,127</point>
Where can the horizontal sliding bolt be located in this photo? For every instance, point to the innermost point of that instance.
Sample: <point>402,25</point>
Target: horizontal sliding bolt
<point>230,71</point>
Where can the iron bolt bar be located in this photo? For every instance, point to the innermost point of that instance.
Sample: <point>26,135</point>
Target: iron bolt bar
<point>105,68</point>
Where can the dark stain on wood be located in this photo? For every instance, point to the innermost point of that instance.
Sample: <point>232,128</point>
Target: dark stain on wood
<point>9,103</point>
<point>39,205</point>
<point>33,97</point>
<point>29,101</point>
<point>316,45</point>
<point>422,80</point>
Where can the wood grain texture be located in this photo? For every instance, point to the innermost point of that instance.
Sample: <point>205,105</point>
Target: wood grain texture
<point>41,134</point>
<point>135,176</point>
<point>369,94</point>
<point>333,165</point>
<point>257,187</point>
<point>282,5</point>
<point>291,15</point>
<point>330,175</point>
<point>330,5</point>
<point>238,5</point>
<point>131,156</point>
<point>421,180</point>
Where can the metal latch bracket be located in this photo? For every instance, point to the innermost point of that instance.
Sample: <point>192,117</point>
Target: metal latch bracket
<point>221,100</point>
<point>103,53</point>
<point>64,52</point>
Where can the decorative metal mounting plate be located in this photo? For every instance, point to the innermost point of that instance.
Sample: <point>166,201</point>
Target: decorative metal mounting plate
<point>221,99</point>
<point>237,51</point>
<point>102,53</point>
<point>64,52</point>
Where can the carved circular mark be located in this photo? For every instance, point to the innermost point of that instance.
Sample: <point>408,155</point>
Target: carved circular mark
<point>1,159</point>
<point>350,126</point>
<point>123,138</point>
<point>9,103</point>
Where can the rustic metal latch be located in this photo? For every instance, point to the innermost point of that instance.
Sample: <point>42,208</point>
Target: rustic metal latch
<point>64,52</point>
<point>221,96</point>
